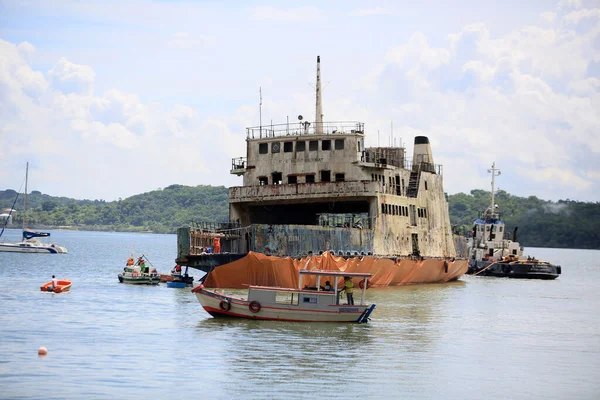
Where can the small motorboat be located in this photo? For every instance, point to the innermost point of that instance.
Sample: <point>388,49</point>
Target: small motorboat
<point>137,277</point>
<point>180,280</point>
<point>138,273</point>
<point>304,304</point>
<point>63,285</point>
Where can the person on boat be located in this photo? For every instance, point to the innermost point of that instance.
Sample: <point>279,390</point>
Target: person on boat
<point>327,286</point>
<point>54,282</point>
<point>130,261</point>
<point>349,288</point>
<point>178,269</point>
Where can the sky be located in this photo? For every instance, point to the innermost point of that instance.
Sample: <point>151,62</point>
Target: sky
<point>108,99</point>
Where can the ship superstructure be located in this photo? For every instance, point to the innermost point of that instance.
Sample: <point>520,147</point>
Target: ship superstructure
<point>311,187</point>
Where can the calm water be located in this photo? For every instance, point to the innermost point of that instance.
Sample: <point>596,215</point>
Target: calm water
<point>477,338</point>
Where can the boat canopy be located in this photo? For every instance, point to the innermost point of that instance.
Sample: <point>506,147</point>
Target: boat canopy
<point>27,234</point>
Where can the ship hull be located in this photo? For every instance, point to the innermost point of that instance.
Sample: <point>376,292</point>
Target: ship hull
<point>260,269</point>
<point>519,270</point>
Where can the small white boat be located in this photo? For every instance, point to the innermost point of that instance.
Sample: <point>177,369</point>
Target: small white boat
<point>138,273</point>
<point>284,304</point>
<point>136,277</point>
<point>29,243</point>
<point>32,246</point>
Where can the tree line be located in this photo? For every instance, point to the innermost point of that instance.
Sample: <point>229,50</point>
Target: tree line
<point>541,223</point>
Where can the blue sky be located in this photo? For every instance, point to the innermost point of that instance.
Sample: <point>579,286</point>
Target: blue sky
<point>114,98</point>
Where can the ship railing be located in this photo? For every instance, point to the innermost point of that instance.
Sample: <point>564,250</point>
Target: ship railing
<point>208,226</point>
<point>305,128</point>
<point>380,158</point>
<point>239,164</point>
<point>346,188</point>
<point>423,166</point>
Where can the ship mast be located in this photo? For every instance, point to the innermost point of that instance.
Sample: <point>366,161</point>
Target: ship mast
<point>319,105</point>
<point>25,199</point>
<point>494,174</point>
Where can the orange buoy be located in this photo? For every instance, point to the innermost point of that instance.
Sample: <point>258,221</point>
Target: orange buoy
<point>42,351</point>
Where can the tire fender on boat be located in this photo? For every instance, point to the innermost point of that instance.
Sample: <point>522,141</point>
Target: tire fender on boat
<point>361,284</point>
<point>254,306</point>
<point>225,305</point>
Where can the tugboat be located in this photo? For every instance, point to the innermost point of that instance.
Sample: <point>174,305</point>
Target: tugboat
<point>491,254</point>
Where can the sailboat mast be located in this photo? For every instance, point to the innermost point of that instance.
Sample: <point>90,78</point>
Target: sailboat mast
<point>25,200</point>
<point>319,104</point>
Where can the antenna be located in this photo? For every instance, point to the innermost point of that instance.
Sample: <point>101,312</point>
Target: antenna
<point>494,174</point>
<point>260,110</point>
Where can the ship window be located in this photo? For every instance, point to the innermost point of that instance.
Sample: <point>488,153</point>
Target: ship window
<point>277,178</point>
<point>275,147</point>
<point>325,176</point>
<point>425,184</point>
<point>372,177</point>
<point>263,148</point>
<point>397,210</point>
<point>310,178</point>
<point>313,145</point>
<point>288,147</point>
<point>326,145</point>
<point>500,228</point>
<point>263,180</point>
<point>339,177</point>
<point>292,179</point>
<point>300,146</point>
<point>358,144</point>
<point>425,212</point>
<point>339,144</point>
<point>383,208</point>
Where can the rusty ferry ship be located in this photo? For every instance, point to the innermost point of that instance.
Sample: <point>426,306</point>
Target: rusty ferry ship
<point>315,197</point>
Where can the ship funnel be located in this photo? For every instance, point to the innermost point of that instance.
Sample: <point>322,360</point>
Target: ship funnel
<point>422,151</point>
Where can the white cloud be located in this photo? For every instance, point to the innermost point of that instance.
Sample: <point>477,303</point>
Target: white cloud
<point>575,17</point>
<point>72,78</point>
<point>548,16</point>
<point>527,98</point>
<point>291,14</point>
<point>365,12</point>
<point>187,41</point>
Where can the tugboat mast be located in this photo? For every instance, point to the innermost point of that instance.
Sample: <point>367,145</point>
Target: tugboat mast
<point>493,170</point>
<point>319,104</point>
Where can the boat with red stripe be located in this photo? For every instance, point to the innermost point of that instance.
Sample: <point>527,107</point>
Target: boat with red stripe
<point>303,304</point>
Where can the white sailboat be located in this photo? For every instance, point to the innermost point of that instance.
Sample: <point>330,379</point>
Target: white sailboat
<point>30,242</point>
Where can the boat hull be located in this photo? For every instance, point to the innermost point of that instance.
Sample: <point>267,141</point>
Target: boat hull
<point>177,284</point>
<point>62,286</point>
<point>26,247</point>
<point>519,270</point>
<point>219,305</point>
<point>260,269</point>
<point>140,279</point>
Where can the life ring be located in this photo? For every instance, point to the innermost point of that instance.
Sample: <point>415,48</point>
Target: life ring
<point>254,306</point>
<point>225,305</point>
<point>361,284</point>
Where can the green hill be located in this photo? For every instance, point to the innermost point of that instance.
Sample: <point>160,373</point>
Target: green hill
<point>566,223</point>
<point>160,211</point>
